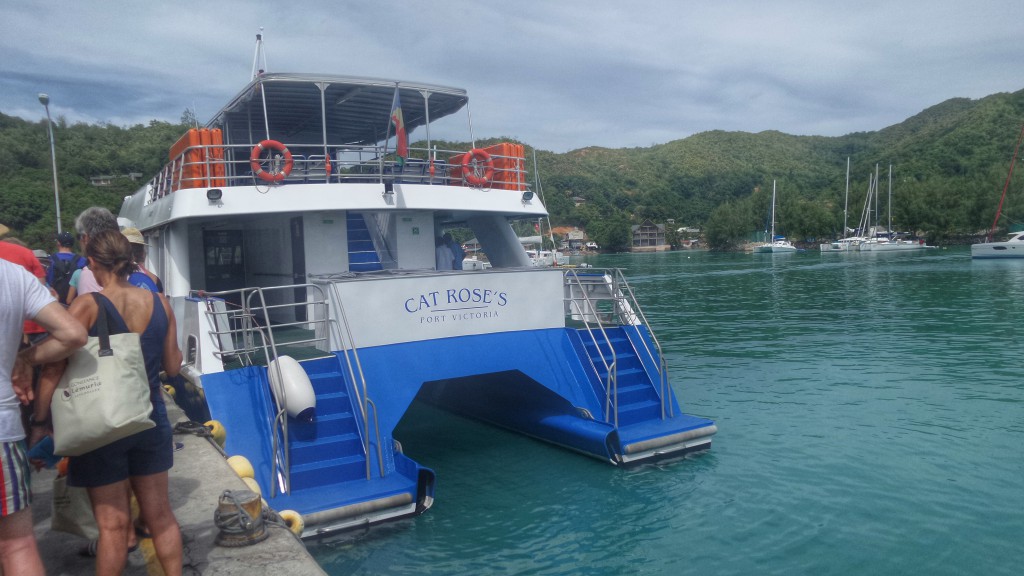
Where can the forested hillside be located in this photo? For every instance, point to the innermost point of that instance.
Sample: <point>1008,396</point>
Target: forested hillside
<point>949,165</point>
<point>83,151</point>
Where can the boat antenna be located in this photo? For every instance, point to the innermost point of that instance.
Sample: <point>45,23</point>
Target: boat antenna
<point>259,58</point>
<point>259,66</point>
<point>1013,160</point>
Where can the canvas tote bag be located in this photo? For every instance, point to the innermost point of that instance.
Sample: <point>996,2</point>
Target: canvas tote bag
<point>72,510</point>
<point>103,395</point>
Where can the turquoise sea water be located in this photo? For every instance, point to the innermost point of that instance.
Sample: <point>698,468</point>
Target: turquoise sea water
<point>871,421</point>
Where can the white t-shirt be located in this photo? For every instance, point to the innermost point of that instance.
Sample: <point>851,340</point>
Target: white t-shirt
<point>22,296</point>
<point>443,258</point>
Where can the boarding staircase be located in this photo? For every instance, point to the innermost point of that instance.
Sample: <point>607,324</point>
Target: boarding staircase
<point>362,255</point>
<point>628,368</point>
<point>335,470</point>
<point>625,356</point>
<point>635,396</point>
<point>328,450</point>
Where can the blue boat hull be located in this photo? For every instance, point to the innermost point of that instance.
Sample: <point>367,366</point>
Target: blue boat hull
<point>544,383</point>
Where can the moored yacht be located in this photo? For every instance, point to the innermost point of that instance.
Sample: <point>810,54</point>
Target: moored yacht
<point>847,244</point>
<point>885,240</point>
<point>777,244</point>
<point>295,234</point>
<point>892,242</point>
<point>1012,247</point>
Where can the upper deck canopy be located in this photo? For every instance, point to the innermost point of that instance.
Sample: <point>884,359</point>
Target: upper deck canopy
<point>355,111</point>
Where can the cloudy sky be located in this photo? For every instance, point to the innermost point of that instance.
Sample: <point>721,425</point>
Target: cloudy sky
<point>556,74</point>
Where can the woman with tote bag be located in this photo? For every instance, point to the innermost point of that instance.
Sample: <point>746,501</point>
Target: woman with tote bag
<point>140,462</point>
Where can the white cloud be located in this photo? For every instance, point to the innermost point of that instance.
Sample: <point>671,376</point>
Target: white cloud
<point>558,75</point>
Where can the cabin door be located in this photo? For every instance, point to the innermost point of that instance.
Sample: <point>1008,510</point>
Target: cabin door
<point>225,260</point>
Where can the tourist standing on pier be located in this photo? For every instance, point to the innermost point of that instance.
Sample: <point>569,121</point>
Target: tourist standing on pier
<point>138,463</point>
<point>89,223</point>
<point>22,297</point>
<point>63,265</point>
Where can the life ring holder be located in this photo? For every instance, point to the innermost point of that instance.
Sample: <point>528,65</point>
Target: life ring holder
<point>471,172</point>
<point>257,167</point>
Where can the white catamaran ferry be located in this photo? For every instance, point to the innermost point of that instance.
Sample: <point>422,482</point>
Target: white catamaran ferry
<point>295,235</point>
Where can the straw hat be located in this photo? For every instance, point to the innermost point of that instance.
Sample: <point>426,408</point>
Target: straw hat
<point>4,230</point>
<point>134,236</point>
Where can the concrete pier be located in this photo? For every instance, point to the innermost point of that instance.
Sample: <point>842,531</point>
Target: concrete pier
<point>198,479</point>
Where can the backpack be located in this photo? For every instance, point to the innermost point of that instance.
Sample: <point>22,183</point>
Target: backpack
<point>62,269</point>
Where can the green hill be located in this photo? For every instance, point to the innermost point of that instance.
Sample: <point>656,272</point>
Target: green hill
<point>949,165</point>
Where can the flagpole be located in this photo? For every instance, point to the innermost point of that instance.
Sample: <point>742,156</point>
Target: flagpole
<point>387,137</point>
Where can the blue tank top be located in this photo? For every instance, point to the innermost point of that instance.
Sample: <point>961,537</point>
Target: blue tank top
<point>140,279</point>
<point>152,341</point>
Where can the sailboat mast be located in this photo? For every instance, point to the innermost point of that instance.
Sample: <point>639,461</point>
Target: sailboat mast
<point>540,193</point>
<point>772,239</point>
<point>846,200</point>
<point>999,209</point>
<point>865,213</point>
<point>875,231</point>
<point>890,201</point>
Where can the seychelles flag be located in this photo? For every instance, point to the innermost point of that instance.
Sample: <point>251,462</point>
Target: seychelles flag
<point>401,138</point>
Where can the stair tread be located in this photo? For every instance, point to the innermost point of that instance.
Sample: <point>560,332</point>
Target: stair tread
<point>638,405</point>
<point>340,437</point>
<point>328,463</point>
<point>331,395</point>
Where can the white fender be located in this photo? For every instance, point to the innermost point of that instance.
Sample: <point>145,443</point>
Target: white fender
<point>300,400</point>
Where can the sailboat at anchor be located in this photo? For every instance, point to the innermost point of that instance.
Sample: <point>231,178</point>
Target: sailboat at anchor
<point>775,244</point>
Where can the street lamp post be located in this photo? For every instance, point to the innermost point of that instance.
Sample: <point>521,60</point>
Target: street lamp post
<point>45,101</point>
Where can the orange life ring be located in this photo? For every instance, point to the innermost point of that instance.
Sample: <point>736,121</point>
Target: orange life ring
<point>257,167</point>
<point>471,172</point>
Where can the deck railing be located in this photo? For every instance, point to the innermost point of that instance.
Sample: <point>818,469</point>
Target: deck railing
<point>244,328</point>
<point>212,166</point>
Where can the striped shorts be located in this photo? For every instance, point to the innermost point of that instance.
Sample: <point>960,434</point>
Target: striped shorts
<point>15,492</point>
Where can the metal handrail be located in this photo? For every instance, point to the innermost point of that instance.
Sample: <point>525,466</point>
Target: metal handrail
<point>611,389</point>
<point>612,385</point>
<point>280,420</point>
<point>281,452</point>
<point>627,312</point>
<point>662,364</point>
<point>346,343</point>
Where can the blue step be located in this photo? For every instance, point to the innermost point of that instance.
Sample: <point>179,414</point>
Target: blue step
<point>635,392</point>
<point>334,446</point>
<point>638,399</point>
<point>333,403</point>
<point>329,449</point>
<point>362,256</point>
<point>328,381</point>
<point>324,472</point>
<point>636,412</point>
